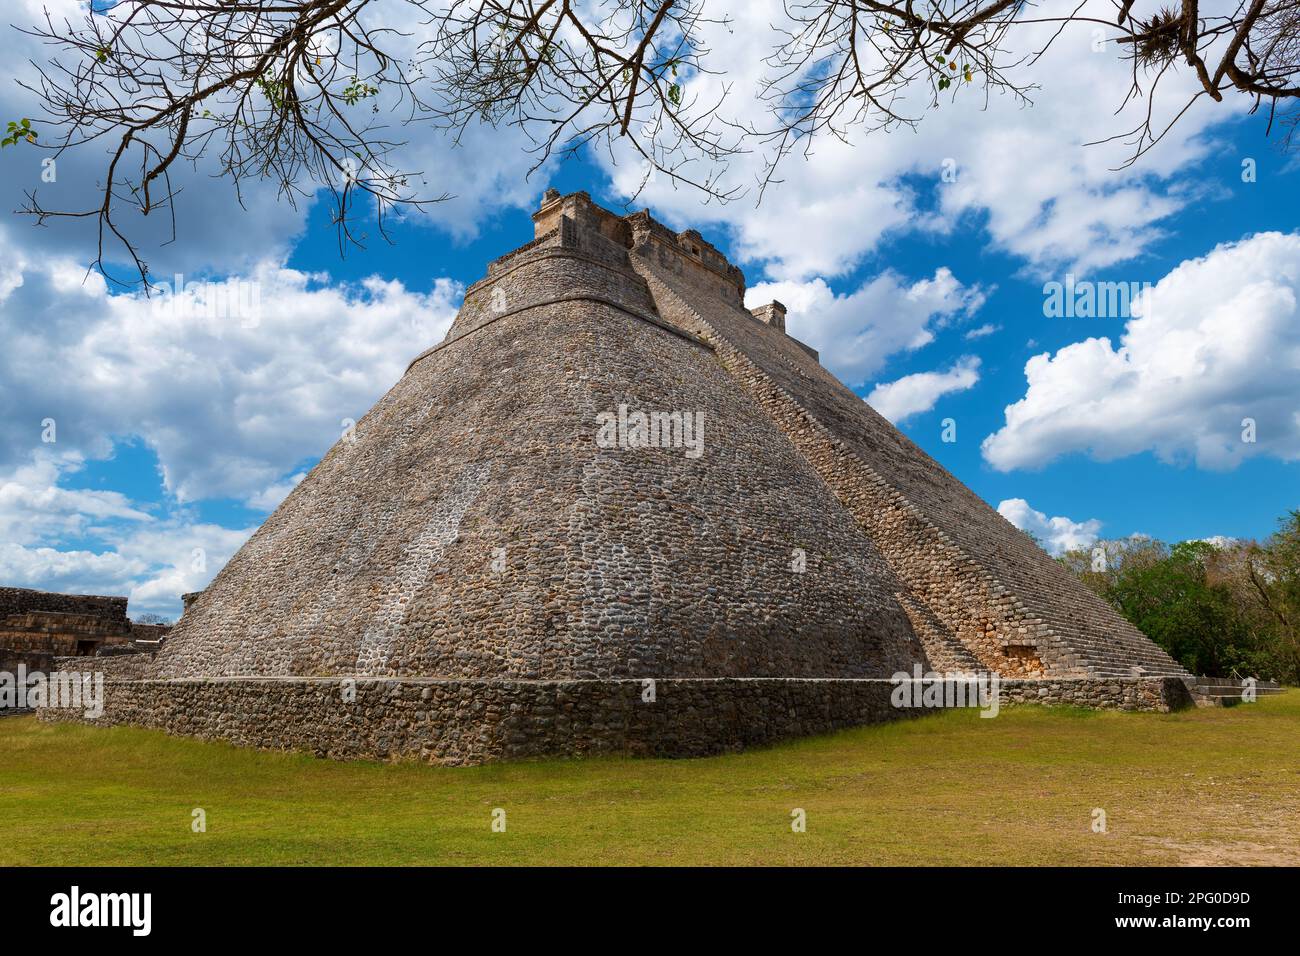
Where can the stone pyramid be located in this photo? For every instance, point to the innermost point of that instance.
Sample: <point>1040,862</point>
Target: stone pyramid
<point>615,510</point>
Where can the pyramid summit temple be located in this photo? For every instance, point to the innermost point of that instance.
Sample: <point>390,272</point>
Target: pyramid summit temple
<point>614,510</point>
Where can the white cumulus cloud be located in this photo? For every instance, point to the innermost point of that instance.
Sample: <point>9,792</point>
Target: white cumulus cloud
<point>475,173</point>
<point>913,394</point>
<point>1024,172</point>
<point>857,332</point>
<point>1057,535</point>
<point>1208,371</point>
<point>120,547</point>
<point>232,384</point>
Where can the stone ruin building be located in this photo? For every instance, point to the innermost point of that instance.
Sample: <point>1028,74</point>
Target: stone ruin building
<point>37,627</point>
<point>472,573</point>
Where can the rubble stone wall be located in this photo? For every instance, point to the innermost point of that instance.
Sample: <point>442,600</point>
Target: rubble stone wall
<point>470,722</point>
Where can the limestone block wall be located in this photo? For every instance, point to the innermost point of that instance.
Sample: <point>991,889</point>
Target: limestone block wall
<point>567,264</point>
<point>458,722</point>
<point>121,667</point>
<point>688,256</point>
<point>149,632</point>
<point>110,609</point>
<point>36,626</point>
<point>57,633</point>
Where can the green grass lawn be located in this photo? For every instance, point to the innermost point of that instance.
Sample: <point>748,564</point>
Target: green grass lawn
<point>1201,786</point>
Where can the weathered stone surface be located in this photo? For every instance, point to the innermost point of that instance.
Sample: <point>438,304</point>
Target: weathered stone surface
<point>610,562</point>
<point>474,533</point>
<point>37,626</point>
<point>473,721</point>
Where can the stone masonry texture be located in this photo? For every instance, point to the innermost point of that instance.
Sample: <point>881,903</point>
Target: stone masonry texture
<point>457,722</point>
<point>38,626</point>
<point>472,540</point>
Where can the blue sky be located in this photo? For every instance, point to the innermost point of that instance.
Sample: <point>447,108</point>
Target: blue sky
<point>175,438</point>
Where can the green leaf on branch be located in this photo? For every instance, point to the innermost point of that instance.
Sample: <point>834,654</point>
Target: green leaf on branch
<point>357,90</point>
<point>18,131</point>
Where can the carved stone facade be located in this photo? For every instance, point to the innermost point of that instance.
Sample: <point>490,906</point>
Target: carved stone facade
<point>38,626</point>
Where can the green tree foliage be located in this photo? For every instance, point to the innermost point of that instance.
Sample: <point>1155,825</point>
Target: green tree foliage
<point>1216,608</point>
<point>1178,603</point>
<point>1274,573</point>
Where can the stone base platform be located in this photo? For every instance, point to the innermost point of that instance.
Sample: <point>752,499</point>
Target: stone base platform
<point>461,722</point>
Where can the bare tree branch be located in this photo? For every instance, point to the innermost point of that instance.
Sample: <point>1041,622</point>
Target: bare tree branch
<point>291,90</point>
